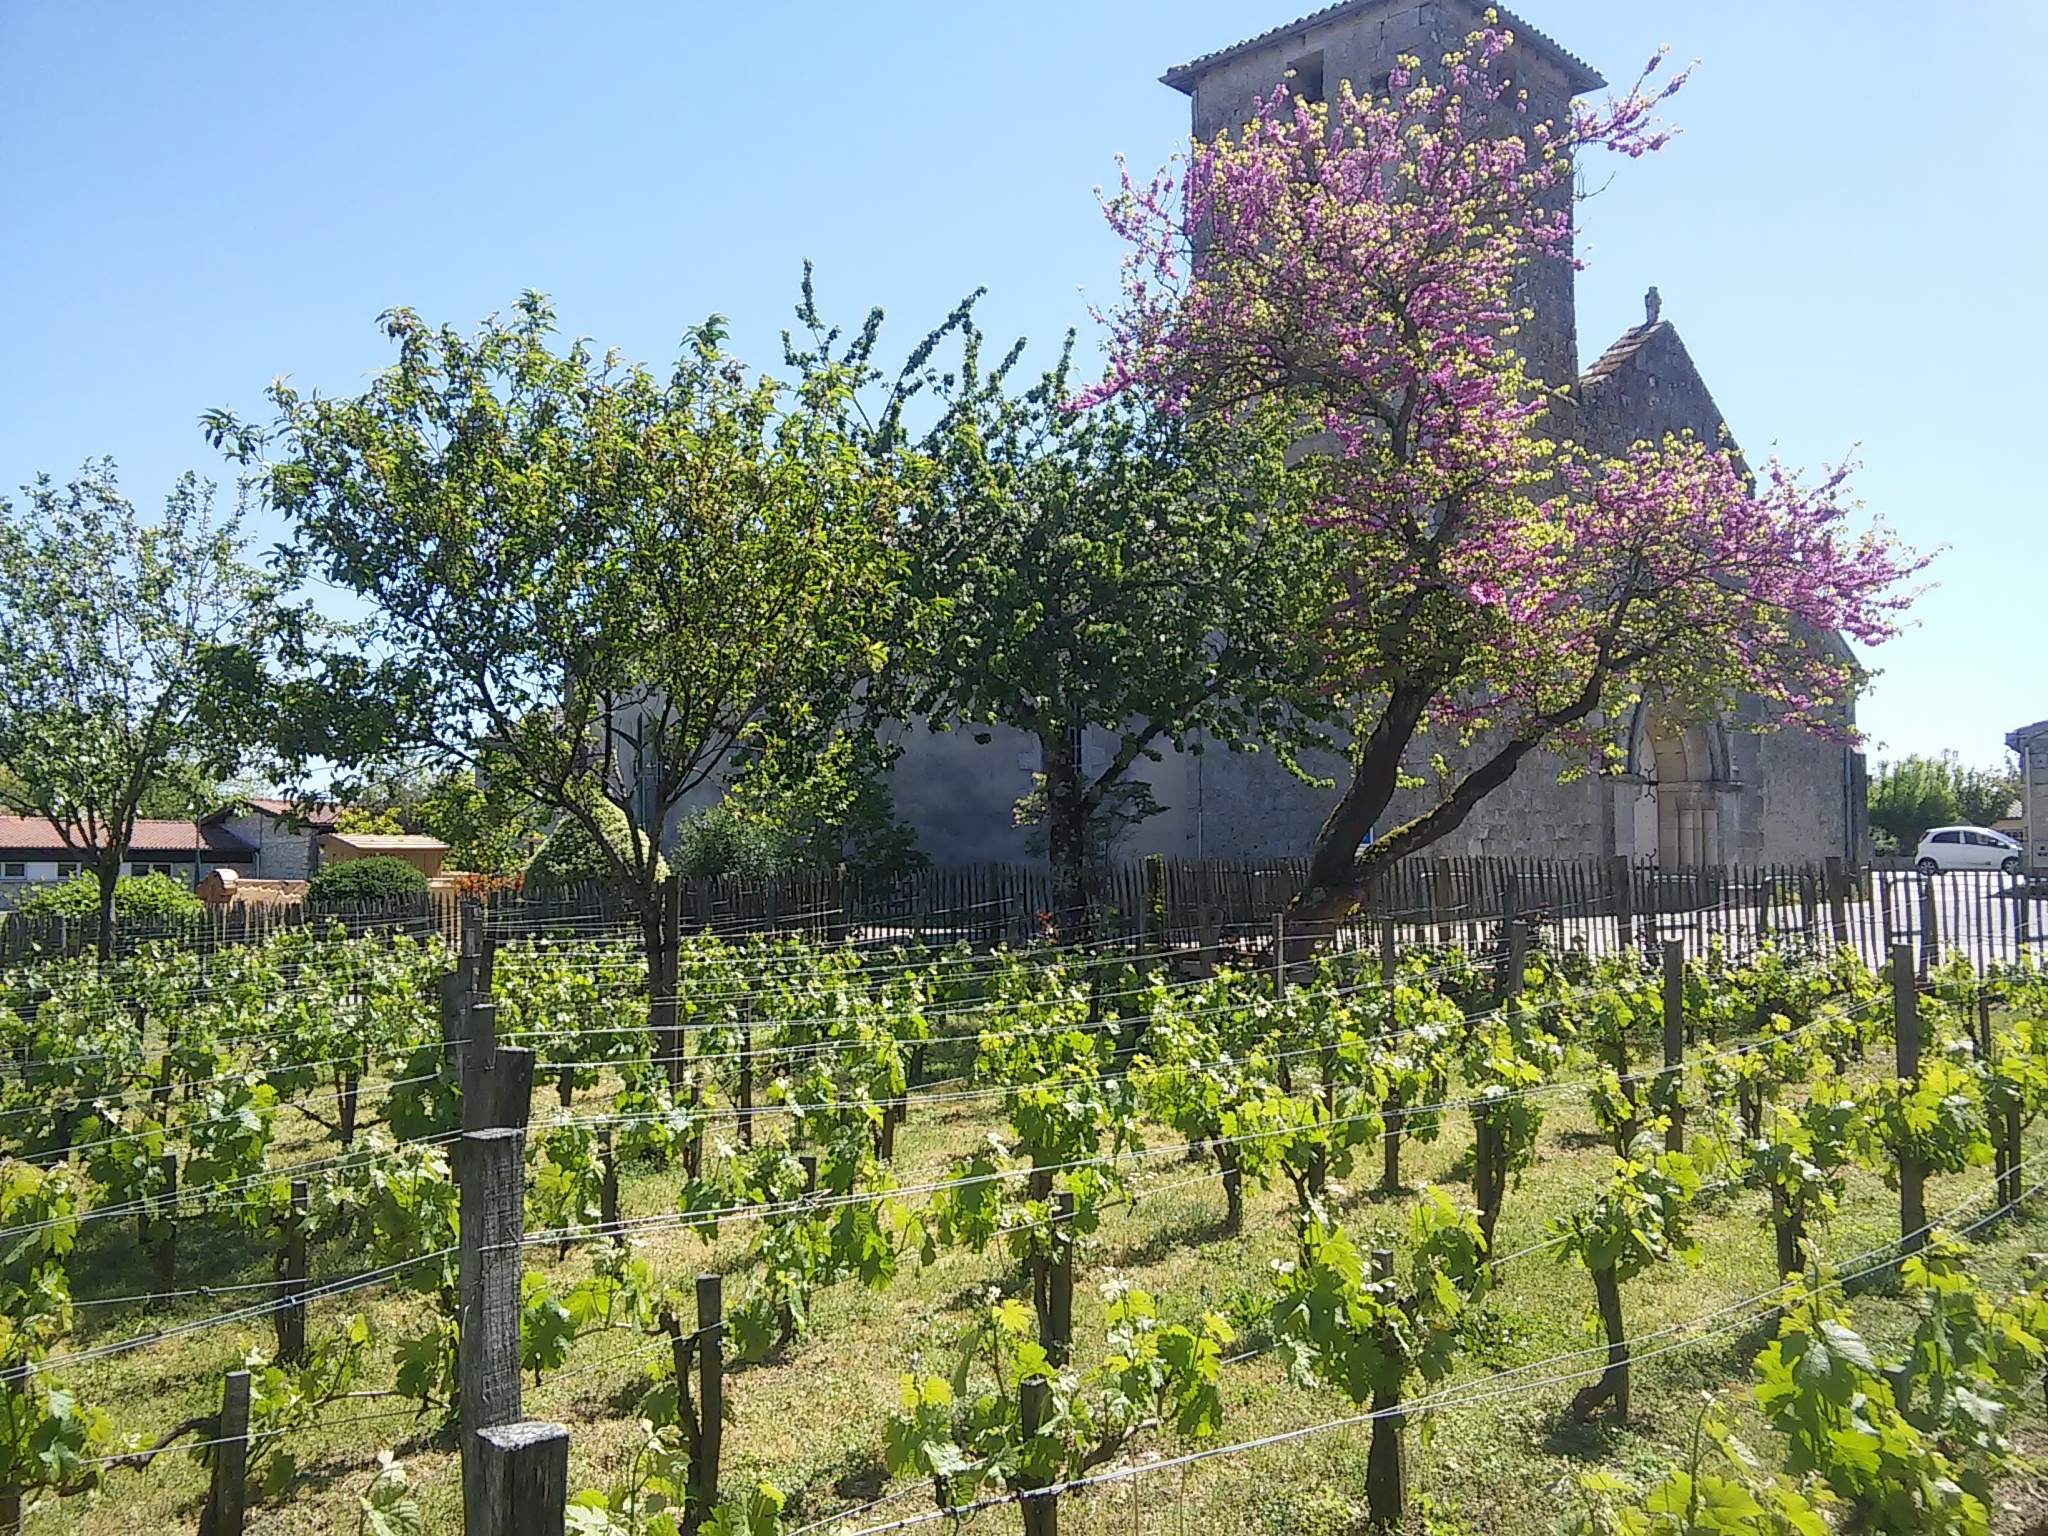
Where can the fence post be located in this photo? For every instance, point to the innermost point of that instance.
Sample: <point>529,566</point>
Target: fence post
<point>1059,1290</point>
<point>487,1319</point>
<point>710,1396</point>
<point>1930,930</point>
<point>291,1312</point>
<point>1621,884</point>
<point>608,1190</point>
<point>1386,1462</point>
<point>745,1108</point>
<point>1390,955</point>
<point>228,1501</point>
<point>524,1469</point>
<point>1152,944</point>
<point>1517,960</point>
<point>497,1081</point>
<point>1674,1039</point>
<point>1041,1513</point>
<point>1906,1042</point>
<point>164,1251</point>
<point>1443,901</point>
<point>1838,899</point>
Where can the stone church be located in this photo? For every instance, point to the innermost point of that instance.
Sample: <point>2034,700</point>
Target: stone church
<point>1688,795</point>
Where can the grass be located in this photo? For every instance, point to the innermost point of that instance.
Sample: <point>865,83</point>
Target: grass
<point>811,1421</point>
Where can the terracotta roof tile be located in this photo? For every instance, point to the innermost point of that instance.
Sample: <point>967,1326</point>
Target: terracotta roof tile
<point>34,837</point>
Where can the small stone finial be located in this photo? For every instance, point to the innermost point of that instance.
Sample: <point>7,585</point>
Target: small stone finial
<point>1653,306</point>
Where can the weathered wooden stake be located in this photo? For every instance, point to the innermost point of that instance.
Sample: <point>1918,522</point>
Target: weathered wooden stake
<point>1059,1320</point>
<point>1621,881</point>
<point>1041,1512</point>
<point>1930,930</point>
<point>164,1251</point>
<point>608,1192</point>
<point>493,1214</point>
<point>1386,1461</point>
<point>291,1312</point>
<point>710,1397</point>
<point>746,1086</point>
<point>1838,899</point>
<point>1906,1045</point>
<point>227,1502</point>
<point>524,1470</point>
<point>1674,1039</point>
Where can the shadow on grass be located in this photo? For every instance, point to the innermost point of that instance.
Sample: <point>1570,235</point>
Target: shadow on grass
<point>1197,1230</point>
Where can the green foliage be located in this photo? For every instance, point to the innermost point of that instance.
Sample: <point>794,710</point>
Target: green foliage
<point>1915,793</point>
<point>1639,1218</point>
<point>137,896</point>
<point>367,880</point>
<point>131,652</point>
<point>572,857</point>
<point>1722,1490</point>
<point>1366,1336</point>
<point>387,1507</point>
<point>729,573</point>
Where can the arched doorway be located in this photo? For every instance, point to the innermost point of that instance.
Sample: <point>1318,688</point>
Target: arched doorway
<point>1681,763</point>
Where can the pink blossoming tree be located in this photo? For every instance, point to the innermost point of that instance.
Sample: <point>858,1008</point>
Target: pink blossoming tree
<point>1361,263</point>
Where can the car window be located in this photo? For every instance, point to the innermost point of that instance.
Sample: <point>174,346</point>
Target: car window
<point>1978,840</point>
<point>1946,837</point>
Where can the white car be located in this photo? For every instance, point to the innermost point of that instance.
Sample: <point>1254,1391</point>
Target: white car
<point>1947,848</point>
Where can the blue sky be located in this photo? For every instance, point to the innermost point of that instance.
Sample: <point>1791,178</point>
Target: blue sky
<point>196,198</point>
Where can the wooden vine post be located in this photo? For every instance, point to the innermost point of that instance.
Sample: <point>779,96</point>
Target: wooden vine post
<point>227,1499</point>
<point>509,1468</point>
<point>163,1248</point>
<point>1836,876</point>
<point>524,1468</point>
<point>1906,1047</point>
<point>1058,1331</point>
<point>700,1415</point>
<point>1390,1108</point>
<point>1621,882</point>
<point>1674,1041</point>
<point>1930,930</point>
<point>1041,1510</point>
<point>608,1189</point>
<point>291,1309</point>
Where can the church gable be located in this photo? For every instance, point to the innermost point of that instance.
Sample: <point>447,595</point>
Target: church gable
<point>1644,388</point>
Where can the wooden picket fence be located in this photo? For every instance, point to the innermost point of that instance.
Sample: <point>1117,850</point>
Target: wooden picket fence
<point>1213,905</point>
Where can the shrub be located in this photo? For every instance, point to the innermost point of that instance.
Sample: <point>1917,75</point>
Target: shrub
<point>134,896</point>
<point>719,841</point>
<point>572,857</point>
<point>378,878</point>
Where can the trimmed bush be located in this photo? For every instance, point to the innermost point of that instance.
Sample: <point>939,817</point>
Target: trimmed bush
<point>377,878</point>
<point>718,841</point>
<point>134,896</point>
<point>571,857</point>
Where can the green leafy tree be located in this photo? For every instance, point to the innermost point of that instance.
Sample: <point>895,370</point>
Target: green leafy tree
<point>1915,793</point>
<point>1125,571</point>
<point>133,654</point>
<point>600,582</point>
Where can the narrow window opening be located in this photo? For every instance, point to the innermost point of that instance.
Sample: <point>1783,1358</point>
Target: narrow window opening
<point>1306,75</point>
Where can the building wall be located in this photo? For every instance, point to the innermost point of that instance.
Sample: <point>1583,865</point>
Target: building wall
<point>280,855</point>
<point>1362,48</point>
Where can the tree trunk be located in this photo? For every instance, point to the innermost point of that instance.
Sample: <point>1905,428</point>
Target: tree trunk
<point>1233,1187</point>
<point>1386,1469</point>
<point>1612,1387</point>
<point>10,1512</point>
<point>1066,833</point>
<point>109,874</point>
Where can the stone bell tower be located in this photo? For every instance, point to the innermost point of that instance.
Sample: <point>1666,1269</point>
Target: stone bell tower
<point>1360,41</point>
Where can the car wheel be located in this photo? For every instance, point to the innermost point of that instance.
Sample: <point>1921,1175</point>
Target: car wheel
<point>1928,867</point>
<point>2011,866</point>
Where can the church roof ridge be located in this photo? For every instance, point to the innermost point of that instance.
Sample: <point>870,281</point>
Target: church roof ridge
<point>1582,76</point>
<point>1624,347</point>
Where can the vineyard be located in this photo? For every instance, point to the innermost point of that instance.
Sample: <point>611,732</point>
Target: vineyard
<point>1500,1234</point>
